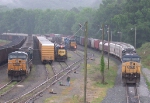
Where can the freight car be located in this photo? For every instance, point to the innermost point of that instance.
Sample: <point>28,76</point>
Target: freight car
<point>131,68</point>
<point>14,45</point>
<point>20,62</point>
<point>60,52</point>
<point>57,38</point>
<point>125,52</point>
<point>46,49</point>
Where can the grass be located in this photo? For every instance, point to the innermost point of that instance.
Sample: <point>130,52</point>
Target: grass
<point>7,88</point>
<point>144,52</point>
<point>94,75</point>
<point>3,42</point>
<point>96,91</point>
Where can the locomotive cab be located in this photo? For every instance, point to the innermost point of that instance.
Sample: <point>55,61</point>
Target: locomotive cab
<point>131,69</point>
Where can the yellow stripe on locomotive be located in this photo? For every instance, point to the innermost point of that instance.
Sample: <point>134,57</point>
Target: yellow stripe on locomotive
<point>131,69</point>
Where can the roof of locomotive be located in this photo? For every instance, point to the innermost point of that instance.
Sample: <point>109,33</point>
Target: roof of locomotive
<point>18,52</point>
<point>131,55</point>
<point>44,41</point>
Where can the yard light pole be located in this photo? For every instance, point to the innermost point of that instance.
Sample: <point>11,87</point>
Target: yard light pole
<point>108,46</point>
<point>111,35</point>
<point>85,59</point>
<point>120,35</point>
<point>134,37</point>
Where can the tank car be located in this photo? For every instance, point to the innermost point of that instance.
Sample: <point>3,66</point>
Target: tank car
<point>60,52</point>
<point>131,68</point>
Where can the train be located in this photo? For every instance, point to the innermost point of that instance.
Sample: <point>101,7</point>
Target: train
<point>46,48</point>
<point>131,69</point>
<point>20,61</point>
<point>60,52</point>
<point>15,43</point>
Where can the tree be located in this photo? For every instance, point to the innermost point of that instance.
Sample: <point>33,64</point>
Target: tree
<point>102,68</point>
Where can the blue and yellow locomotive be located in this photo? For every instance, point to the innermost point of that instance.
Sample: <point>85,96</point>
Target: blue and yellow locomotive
<point>19,65</point>
<point>71,43</point>
<point>60,52</point>
<point>131,68</point>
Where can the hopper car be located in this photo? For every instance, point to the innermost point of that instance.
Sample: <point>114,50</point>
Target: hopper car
<point>14,45</point>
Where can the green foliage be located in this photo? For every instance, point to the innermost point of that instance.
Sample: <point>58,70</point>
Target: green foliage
<point>102,64</point>
<point>144,52</point>
<point>121,15</point>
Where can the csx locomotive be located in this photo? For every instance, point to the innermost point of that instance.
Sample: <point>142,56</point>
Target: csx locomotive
<point>131,68</point>
<point>71,44</point>
<point>19,65</point>
<point>60,52</point>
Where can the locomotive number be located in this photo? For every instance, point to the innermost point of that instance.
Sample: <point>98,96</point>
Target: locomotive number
<point>61,51</point>
<point>131,67</point>
<point>16,64</point>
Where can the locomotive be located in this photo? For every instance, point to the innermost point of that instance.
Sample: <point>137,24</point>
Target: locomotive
<point>19,65</point>
<point>60,52</point>
<point>131,68</point>
<point>71,43</point>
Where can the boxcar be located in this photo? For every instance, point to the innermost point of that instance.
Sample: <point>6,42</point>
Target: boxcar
<point>46,50</point>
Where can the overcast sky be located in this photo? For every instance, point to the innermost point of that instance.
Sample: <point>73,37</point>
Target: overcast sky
<point>48,3</point>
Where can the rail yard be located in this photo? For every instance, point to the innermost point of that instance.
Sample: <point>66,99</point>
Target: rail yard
<point>48,64</point>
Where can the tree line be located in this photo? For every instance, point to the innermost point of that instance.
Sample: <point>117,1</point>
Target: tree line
<point>120,15</point>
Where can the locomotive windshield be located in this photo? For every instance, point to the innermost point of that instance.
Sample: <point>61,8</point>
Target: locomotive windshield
<point>17,56</point>
<point>131,58</point>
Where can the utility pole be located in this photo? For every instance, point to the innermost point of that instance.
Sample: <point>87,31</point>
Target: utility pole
<point>135,38</point>
<point>103,40</point>
<point>85,60</point>
<point>111,35</point>
<point>108,46</point>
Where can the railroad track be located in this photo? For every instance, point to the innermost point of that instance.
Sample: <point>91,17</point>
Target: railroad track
<point>132,95</point>
<point>37,91</point>
<point>63,65</point>
<point>8,87</point>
